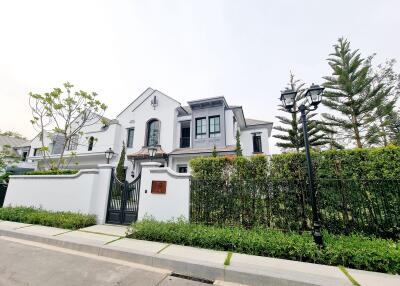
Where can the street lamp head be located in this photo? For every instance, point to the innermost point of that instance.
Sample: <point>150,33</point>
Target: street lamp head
<point>152,151</point>
<point>288,97</point>
<point>109,154</point>
<point>314,94</point>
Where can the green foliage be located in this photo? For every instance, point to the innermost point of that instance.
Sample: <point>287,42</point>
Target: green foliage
<point>291,132</point>
<point>357,190</point>
<point>52,172</point>
<point>368,163</point>
<point>214,152</point>
<point>67,112</point>
<point>121,165</point>
<point>12,134</point>
<point>67,220</point>
<point>350,92</point>
<point>353,251</point>
<point>238,148</point>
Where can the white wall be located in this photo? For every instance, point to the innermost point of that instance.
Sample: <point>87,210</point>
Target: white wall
<point>229,128</point>
<point>246,140</point>
<point>163,207</point>
<point>85,192</point>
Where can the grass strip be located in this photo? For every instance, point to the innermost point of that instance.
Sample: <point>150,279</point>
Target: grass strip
<point>114,240</point>
<point>345,272</point>
<point>227,261</point>
<point>158,252</point>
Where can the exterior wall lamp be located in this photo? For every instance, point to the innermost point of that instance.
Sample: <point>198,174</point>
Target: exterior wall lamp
<point>152,152</point>
<point>109,154</point>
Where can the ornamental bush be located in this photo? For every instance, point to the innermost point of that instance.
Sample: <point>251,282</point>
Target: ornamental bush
<point>355,251</point>
<point>67,220</point>
<point>52,172</point>
<point>358,191</point>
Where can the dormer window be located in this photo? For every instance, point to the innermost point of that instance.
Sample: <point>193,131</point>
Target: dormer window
<point>214,126</point>
<point>153,133</point>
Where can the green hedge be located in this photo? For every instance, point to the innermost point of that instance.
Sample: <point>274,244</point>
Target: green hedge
<point>52,172</point>
<point>353,251</point>
<point>67,220</point>
<point>360,164</point>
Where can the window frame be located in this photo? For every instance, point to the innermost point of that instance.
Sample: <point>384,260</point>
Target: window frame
<point>128,131</point>
<point>72,144</point>
<point>148,124</point>
<point>91,143</point>
<point>257,142</point>
<point>213,134</point>
<point>182,166</point>
<point>201,135</point>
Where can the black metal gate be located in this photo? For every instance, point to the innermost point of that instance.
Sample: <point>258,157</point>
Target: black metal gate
<point>123,202</point>
<point>3,190</point>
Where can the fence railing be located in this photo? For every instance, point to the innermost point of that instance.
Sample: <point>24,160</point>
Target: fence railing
<point>3,190</point>
<point>345,206</point>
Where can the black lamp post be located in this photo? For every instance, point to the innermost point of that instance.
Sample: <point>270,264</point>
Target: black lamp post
<point>152,152</point>
<point>314,97</point>
<point>109,154</point>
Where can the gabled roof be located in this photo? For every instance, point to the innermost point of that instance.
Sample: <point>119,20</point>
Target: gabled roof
<point>252,122</point>
<point>13,142</point>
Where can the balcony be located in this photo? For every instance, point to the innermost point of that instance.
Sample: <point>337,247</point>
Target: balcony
<point>184,142</point>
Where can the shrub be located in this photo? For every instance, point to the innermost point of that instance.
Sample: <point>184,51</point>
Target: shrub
<point>52,172</point>
<point>67,220</point>
<point>354,251</point>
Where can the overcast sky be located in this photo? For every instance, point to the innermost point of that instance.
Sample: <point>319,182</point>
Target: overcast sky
<point>243,50</point>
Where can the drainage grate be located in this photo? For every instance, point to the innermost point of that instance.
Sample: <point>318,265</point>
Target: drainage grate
<point>192,278</point>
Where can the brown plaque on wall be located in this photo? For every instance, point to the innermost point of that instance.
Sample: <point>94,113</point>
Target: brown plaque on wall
<point>158,187</point>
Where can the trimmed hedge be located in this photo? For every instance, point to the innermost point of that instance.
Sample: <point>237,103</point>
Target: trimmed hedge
<point>67,220</point>
<point>354,251</point>
<point>360,164</point>
<point>52,172</point>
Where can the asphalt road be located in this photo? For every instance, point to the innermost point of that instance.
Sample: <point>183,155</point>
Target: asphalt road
<point>28,263</point>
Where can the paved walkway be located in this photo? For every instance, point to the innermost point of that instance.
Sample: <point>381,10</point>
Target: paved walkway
<point>203,263</point>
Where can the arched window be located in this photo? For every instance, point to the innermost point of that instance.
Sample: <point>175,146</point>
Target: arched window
<point>153,132</point>
<point>91,140</point>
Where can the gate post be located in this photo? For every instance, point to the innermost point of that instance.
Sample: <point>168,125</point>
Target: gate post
<point>100,193</point>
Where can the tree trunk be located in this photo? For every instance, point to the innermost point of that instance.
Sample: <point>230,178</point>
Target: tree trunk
<point>357,132</point>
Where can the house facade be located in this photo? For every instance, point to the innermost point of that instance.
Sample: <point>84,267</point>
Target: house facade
<point>179,133</point>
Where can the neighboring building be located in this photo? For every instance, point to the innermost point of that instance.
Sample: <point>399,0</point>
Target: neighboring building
<point>179,132</point>
<point>15,152</point>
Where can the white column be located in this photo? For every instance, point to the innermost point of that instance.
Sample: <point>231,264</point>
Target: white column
<point>100,193</point>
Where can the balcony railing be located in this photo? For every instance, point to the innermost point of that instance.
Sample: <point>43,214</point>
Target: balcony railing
<point>184,142</point>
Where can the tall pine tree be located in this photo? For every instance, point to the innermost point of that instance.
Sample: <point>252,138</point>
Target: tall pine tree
<point>291,135</point>
<point>384,120</point>
<point>350,93</point>
<point>121,176</point>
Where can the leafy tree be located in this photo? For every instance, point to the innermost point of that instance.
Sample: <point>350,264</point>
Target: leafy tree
<point>12,134</point>
<point>238,149</point>
<point>121,176</point>
<point>291,135</point>
<point>66,113</point>
<point>384,120</point>
<point>214,151</point>
<point>350,92</point>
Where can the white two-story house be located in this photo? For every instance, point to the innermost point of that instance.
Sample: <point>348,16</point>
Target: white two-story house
<point>180,133</point>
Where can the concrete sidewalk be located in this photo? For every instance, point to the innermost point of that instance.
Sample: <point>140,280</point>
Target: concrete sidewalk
<point>109,241</point>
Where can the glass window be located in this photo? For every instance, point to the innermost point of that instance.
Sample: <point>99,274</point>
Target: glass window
<point>214,126</point>
<point>73,142</point>
<point>129,140</point>
<point>182,169</point>
<point>91,141</point>
<point>153,133</point>
<point>201,127</point>
<point>257,147</point>
<point>37,152</point>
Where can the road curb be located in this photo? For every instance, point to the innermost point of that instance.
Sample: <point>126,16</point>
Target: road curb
<point>198,269</point>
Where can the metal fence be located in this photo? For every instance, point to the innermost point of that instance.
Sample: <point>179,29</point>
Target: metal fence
<point>3,190</point>
<point>345,206</point>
